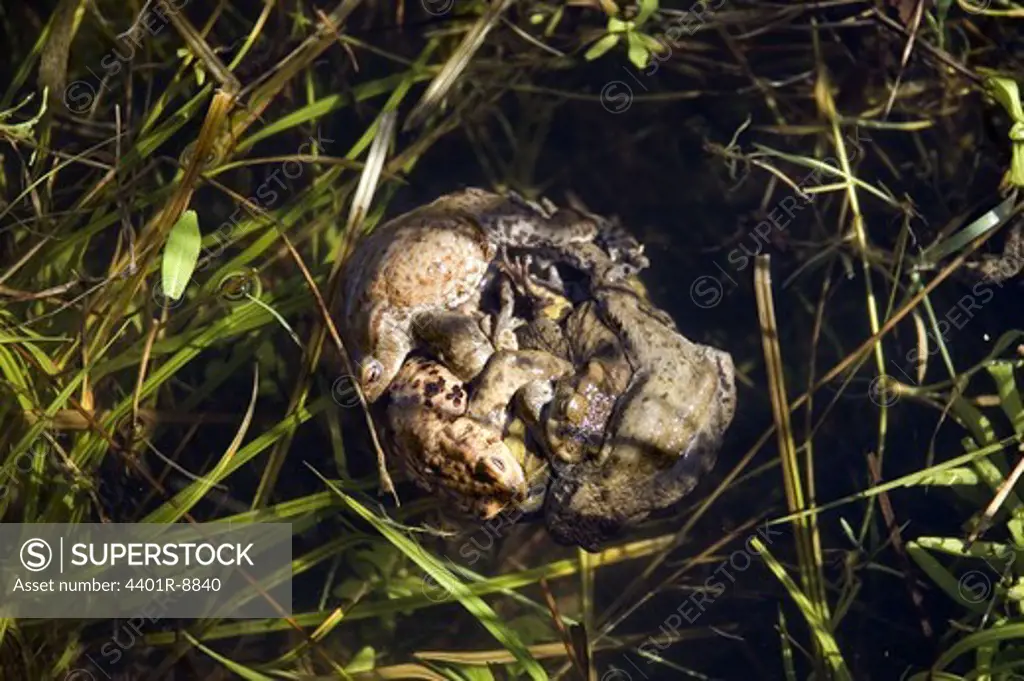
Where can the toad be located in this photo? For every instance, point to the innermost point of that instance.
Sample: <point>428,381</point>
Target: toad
<point>427,266</point>
<point>638,422</point>
<point>449,436</point>
<point>661,433</point>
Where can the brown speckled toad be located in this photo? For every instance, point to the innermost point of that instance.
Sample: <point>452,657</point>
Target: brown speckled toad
<point>450,443</point>
<point>450,440</point>
<point>445,451</point>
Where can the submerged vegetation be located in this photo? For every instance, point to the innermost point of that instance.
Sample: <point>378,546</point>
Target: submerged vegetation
<point>827,190</point>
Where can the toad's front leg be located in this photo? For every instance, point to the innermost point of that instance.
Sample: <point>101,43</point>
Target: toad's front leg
<point>501,328</point>
<point>464,341</point>
<point>506,373</point>
<point>456,339</point>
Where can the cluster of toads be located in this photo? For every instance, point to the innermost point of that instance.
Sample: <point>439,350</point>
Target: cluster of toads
<point>480,312</point>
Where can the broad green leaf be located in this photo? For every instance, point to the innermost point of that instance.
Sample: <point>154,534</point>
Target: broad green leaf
<point>601,46</point>
<point>362,661</point>
<point>181,254</point>
<point>647,8</point>
<point>556,19</point>
<point>1017,155</point>
<point>1009,396</point>
<point>1005,91</point>
<point>638,53</point>
<point>619,26</point>
<point>1016,592</point>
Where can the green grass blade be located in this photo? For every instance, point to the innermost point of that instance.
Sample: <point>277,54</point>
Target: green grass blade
<point>821,630</point>
<point>429,564</point>
<point>243,671</point>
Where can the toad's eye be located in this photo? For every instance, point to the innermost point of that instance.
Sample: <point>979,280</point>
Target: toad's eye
<point>370,372</point>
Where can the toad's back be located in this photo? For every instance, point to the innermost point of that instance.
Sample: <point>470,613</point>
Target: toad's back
<point>422,259</point>
<point>437,255</point>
